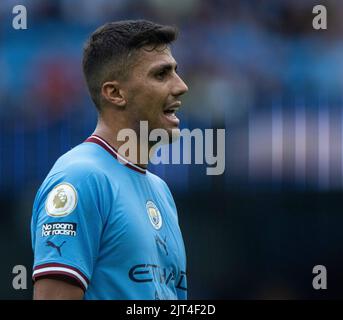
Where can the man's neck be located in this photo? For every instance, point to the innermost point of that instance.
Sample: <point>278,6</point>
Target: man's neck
<point>110,134</point>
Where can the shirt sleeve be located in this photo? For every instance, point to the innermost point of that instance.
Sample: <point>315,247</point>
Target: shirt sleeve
<point>66,226</point>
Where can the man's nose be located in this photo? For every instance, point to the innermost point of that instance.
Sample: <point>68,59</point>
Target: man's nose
<point>179,87</point>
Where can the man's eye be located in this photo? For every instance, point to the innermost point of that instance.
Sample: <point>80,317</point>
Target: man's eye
<point>160,75</point>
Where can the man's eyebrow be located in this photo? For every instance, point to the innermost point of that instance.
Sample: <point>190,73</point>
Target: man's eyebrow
<point>164,66</point>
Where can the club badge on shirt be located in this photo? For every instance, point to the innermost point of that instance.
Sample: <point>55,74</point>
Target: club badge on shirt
<point>61,201</point>
<point>154,215</point>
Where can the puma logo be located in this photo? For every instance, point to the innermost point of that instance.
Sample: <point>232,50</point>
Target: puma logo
<point>58,248</point>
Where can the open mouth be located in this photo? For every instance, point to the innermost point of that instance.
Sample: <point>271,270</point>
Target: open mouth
<point>171,110</point>
<point>170,113</point>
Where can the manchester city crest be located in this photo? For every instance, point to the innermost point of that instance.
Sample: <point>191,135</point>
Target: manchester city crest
<point>61,200</point>
<point>154,215</point>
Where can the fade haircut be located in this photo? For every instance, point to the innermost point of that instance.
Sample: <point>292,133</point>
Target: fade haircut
<point>110,48</point>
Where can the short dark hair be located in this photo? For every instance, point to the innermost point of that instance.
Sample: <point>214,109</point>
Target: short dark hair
<point>107,52</point>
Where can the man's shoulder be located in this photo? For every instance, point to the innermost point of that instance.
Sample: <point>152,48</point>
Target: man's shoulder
<point>81,168</point>
<point>85,156</point>
<point>79,163</point>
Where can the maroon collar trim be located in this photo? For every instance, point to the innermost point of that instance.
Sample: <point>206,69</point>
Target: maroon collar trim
<point>103,143</point>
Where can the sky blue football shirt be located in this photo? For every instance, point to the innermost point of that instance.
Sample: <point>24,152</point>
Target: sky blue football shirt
<point>109,225</point>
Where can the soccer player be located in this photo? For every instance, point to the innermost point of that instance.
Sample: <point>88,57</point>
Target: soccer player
<point>103,226</point>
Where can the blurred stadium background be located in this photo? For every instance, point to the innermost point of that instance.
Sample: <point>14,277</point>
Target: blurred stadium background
<point>255,68</point>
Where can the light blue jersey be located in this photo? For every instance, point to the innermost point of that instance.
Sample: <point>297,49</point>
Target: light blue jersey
<point>110,227</point>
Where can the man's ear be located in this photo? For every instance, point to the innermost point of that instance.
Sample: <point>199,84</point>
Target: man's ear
<point>112,93</point>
